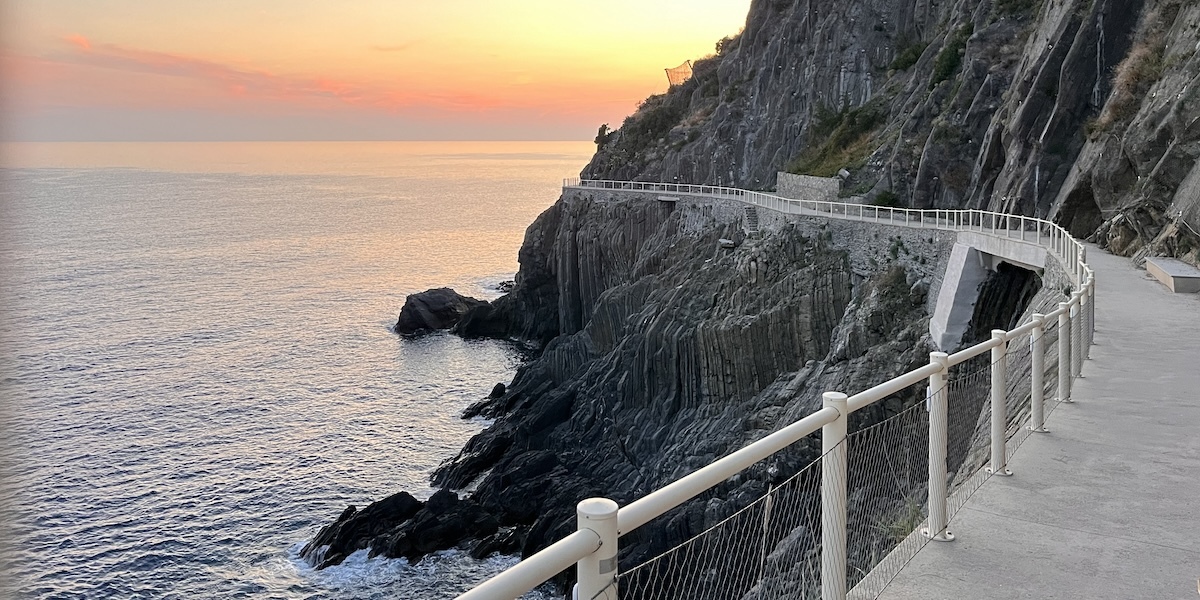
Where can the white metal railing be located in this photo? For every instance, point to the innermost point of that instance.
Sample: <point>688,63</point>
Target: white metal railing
<point>593,547</point>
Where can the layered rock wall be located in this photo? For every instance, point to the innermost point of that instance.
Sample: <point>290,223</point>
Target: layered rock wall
<point>1083,111</point>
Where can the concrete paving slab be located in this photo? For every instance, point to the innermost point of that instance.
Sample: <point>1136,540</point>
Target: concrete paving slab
<point>1105,504</point>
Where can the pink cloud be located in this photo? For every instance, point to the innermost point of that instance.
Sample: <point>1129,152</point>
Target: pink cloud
<point>87,74</point>
<point>243,83</point>
<point>79,41</point>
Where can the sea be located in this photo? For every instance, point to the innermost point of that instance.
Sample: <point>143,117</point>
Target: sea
<point>198,369</point>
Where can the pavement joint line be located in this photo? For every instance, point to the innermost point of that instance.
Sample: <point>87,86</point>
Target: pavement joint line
<point>1084,531</point>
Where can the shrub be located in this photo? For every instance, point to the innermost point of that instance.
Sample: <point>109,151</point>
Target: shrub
<point>846,143</point>
<point>950,58</point>
<point>1134,76</point>
<point>909,56</point>
<point>887,198</point>
<point>1016,8</point>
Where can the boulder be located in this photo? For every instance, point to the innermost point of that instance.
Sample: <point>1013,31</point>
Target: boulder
<point>355,529</point>
<point>438,308</point>
<point>442,523</point>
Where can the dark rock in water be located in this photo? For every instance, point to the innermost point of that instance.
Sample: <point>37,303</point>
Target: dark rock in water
<point>660,351</point>
<point>441,524</point>
<point>507,540</point>
<point>506,286</point>
<point>438,308</point>
<point>355,529</point>
<point>497,391</point>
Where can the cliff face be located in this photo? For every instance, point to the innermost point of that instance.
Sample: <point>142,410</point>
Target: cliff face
<point>674,351</point>
<point>1084,111</point>
<point>662,350</point>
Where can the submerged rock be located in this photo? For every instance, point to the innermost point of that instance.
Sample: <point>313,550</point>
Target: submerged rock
<point>438,308</point>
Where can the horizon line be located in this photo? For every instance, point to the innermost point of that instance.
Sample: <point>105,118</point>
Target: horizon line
<point>286,141</point>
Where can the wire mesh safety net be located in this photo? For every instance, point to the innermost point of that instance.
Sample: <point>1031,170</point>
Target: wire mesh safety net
<point>769,549</point>
<point>1091,324</point>
<point>1050,359</point>
<point>1018,390</point>
<point>888,480</point>
<point>772,547</point>
<point>678,75</point>
<point>969,428</point>
<point>1077,341</point>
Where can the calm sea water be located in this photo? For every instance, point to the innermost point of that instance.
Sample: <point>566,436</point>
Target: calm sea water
<point>198,370</point>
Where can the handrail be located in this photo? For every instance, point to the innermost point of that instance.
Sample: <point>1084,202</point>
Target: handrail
<point>645,509</point>
<point>1069,250</point>
<point>530,573</point>
<point>595,524</point>
<point>887,388</point>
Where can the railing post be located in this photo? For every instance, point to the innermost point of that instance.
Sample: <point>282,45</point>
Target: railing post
<point>1086,312</point>
<point>1037,348</point>
<point>999,403</point>
<point>833,500</point>
<point>598,571</point>
<point>1091,312</point>
<point>938,425</point>
<point>1076,329</point>
<point>1064,352</point>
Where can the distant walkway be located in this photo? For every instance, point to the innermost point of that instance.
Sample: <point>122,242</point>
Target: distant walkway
<point>1107,504</point>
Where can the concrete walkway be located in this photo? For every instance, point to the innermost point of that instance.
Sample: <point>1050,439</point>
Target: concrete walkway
<point>1107,504</point>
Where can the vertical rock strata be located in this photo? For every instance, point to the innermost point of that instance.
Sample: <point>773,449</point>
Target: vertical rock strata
<point>672,352</point>
<point>660,350</point>
<point>1082,111</point>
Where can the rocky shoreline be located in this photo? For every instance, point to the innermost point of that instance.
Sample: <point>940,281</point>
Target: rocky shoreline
<point>672,333</point>
<point>669,351</point>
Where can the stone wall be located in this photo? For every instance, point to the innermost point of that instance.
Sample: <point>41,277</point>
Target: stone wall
<point>806,187</point>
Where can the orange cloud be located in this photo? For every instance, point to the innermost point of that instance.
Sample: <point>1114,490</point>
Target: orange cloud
<point>79,41</point>
<point>318,91</point>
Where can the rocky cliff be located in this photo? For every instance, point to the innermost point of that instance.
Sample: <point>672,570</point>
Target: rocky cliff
<point>662,348</point>
<point>1083,111</point>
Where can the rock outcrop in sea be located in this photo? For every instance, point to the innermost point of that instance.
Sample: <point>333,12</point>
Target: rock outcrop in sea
<point>438,308</point>
<point>662,348</point>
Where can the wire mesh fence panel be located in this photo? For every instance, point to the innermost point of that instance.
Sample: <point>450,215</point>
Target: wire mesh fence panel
<point>770,549</point>
<point>969,427</point>
<point>1077,341</point>
<point>1018,390</point>
<point>1050,366</point>
<point>888,482</point>
<point>1091,322</point>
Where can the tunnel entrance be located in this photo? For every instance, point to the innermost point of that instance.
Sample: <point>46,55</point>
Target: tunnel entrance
<point>1003,298</point>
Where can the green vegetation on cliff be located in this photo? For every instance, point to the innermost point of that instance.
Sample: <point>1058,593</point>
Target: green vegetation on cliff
<point>841,139</point>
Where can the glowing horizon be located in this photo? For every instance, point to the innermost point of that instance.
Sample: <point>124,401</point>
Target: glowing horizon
<point>464,69</point>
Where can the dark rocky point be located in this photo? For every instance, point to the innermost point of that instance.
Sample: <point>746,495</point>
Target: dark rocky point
<point>662,348</point>
<point>438,308</point>
<point>355,529</point>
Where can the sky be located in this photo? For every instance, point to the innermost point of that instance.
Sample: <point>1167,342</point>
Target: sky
<point>163,70</point>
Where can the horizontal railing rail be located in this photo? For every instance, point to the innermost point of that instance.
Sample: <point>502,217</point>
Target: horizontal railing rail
<point>1069,251</point>
<point>593,547</point>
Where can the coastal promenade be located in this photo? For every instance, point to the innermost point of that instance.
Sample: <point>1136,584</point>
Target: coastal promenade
<point>1104,505</point>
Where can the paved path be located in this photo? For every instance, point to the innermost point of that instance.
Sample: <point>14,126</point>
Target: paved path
<point>1107,504</point>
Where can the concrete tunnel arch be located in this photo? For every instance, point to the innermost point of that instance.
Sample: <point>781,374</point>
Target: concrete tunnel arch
<point>974,258</point>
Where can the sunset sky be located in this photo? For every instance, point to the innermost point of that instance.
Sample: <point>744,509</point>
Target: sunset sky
<point>350,70</point>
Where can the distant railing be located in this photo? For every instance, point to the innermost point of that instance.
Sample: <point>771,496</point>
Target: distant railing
<point>593,547</point>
